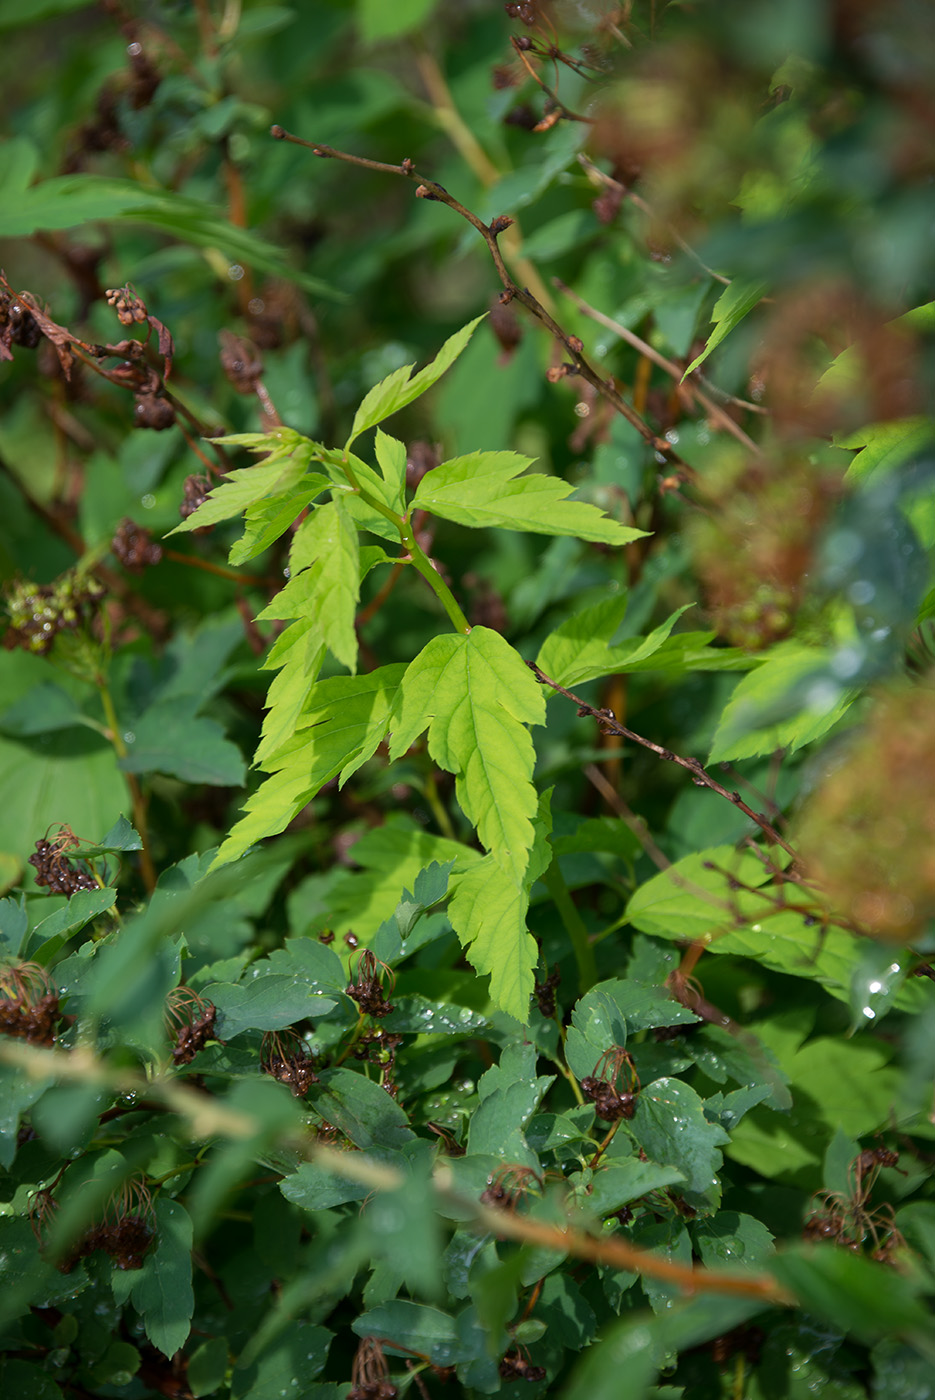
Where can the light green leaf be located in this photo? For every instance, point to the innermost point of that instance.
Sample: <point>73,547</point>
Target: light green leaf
<point>734,303</point>
<point>485,489</point>
<point>269,519</point>
<point>377,21</point>
<point>245,486</point>
<point>693,898</point>
<point>299,651</point>
<point>328,589</point>
<point>579,650</point>
<point>886,445</point>
<point>19,160</point>
<point>349,716</point>
<point>477,696</point>
<point>397,389</point>
<point>756,718</point>
<point>391,456</point>
<point>68,201</point>
<point>488,913</point>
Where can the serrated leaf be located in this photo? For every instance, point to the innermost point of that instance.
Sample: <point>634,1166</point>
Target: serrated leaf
<point>756,719</point>
<point>476,696</point>
<point>268,520</point>
<point>391,458</point>
<point>299,651</point>
<point>671,1127</point>
<point>580,650</point>
<point>414,1326</point>
<point>328,586</point>
<point>620,1181</point>
<point>266,1003</point>
<point>162,1292</point>
<point>488,913</point>
<point>362,1110</point>
<point>734,303</point>
<point>397,389</point>
<point>48,937</point>
<point>282,471</point>
<point>485,489</point>
<point>346,719</point>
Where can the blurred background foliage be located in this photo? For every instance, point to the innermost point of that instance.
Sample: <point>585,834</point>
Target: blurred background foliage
<point>743,190</point>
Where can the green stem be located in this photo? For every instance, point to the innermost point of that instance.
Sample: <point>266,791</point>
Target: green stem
<point>574,926</point>
<point>433,578</point>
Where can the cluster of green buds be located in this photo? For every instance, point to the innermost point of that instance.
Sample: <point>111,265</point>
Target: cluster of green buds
<point>38,613</point>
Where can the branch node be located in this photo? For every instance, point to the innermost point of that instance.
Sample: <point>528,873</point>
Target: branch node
<point>499,224</point>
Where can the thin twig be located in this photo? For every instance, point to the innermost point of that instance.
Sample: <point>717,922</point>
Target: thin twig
<point>576,364</point>
<point>610,724</point>
<point>686,390</point>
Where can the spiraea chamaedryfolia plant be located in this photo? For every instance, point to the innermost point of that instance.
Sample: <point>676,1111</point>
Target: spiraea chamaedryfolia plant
<point>468,687</point>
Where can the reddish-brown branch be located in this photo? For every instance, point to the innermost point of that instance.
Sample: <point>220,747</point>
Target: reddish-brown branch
<point>610,724</point>
<point>576,363</point>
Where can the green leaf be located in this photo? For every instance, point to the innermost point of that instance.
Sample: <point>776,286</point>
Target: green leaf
<point>391,457</point>
<point>288,1366</point>
<point>326,583</point>
<point>510,1094</point>
<point>268,520</point>
<point>477,696</point>
<point>756,719</point>
<point>671,1127</point>
<point>729,1239</point>
<point>161,1291</point>
<point>618,1182</point>
<point>343,724</point>
<point>13,925</point>
<point>281,471</point>
<point>44,708</point>
<point>377,21</point>
<point>299,651</point>
<point>885,446</point>
<point>580,649</point>
<point>170,739</point>
<point>485,489</point>
<point>488,913</point>
<point>397,389</point>
<point>120,838</point>
<point>67,201</point>
<point>694,898</point>
<point>207,1367</point>
<point>414,1326</point>
<point>48,937</point>
<point>265,1003</point>
<point>362,1110</point>
<point>852,1292</point>
<point>620,1366</point>
<point>610,1011</point>
<point>734,303</point>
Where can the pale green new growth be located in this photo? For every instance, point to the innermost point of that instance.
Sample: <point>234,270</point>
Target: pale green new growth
<point>485,489</point>
<point>469,688</point>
